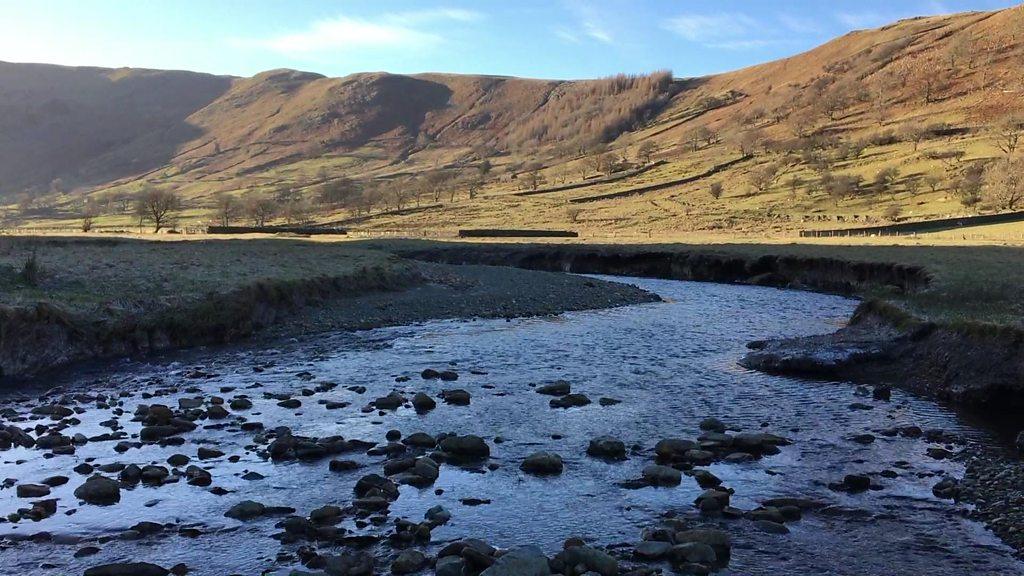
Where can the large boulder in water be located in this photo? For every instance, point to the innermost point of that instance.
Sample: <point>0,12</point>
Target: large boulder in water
<point>607,447</point>
<point>521,561</point>
<point>593,559</point>
<point>127,569</point>
<point>99,490</point>
<point>657,475</point>
<point>468,446</point>
<point>542,463</point>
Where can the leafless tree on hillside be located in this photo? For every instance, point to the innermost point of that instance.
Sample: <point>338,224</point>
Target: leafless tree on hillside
<point>934,180</point>
<point>1004,181</point>
<point>1009,135</point>
<point>716,190</point>
<point>259,208</point>
<point>226,208</point>
<point>645,151</point>
<point>763,177</point>
<point>156,205</point>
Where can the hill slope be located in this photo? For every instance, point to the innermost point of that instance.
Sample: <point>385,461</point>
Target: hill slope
<point>921,102</point>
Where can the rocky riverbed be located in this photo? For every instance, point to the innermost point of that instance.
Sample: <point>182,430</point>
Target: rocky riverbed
<point>609,442</point>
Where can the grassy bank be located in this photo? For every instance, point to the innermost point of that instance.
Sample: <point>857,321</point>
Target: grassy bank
<point>64,299</point>
<point>106,276</point>
<point>968,284</point>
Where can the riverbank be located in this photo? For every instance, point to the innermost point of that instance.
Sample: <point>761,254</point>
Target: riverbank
<point>71,299</point>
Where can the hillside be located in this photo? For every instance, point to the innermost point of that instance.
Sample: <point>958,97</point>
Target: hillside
<point>903,122</point>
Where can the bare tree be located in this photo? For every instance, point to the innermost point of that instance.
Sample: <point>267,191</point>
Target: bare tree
<point>645,151</point>
<point>913,132</point>
<point>1009,135</point>
<point>764,176</point>
<point>747,141</point>
<point>912,186</point>
<point>533,178</point>
<point>573,213</point>
<point>716,190</point>
<point>90,210</point>
<point>156,205</point>
<point>795,182</point>
<point>933,180</point>
<point>885,179</point>
<point>259,208</point>
<point>226,208</point>
<point>1004,183</point>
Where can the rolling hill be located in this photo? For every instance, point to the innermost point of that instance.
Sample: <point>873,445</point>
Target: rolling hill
<point>876,125</point>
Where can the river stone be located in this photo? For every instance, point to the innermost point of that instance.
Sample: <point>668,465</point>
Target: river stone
<point>437,515</point>
<point>693,553</point>
<point>127,569</point>
<point>32,490</point>
<point>99,490</point>
<point>189,403</point>
<point>246,510</point>
<point>607,447</point>
<point>468,446</point>
<point>717,539</point>
<point>771,527</point>
<point>712,425</point>
<point>557,388</point>
<point>208,453</point>
<point>542,463</point>
<point>348,564</point>
<point>657,475</point>
<point>947,488</point>
<point>450,566</point>
<point>569,401</point>
<point>420,440</point>
<point>178,460</point>
<point>593,559</point>
<point>1020,442</point>
<point>521,561</point>
<point>673,448</point>
<point>456,397</point>
<point>652,550</point>
<point>423,403</point>
<point>408,561</point>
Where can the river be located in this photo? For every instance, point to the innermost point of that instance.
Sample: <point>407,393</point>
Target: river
<point>669,364</point>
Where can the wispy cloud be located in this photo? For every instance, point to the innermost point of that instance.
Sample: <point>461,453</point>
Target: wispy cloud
<point>735,30</point>
<point>801,24</point>
<point>711,27</point>
<point>591,24</point>
<point>867,19</point>
<point>412,29</point>
<point>876,18</point>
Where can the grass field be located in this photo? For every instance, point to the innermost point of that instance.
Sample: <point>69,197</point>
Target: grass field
<point>107,276</point>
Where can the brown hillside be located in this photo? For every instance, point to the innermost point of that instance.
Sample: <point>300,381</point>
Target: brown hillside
<point>912,99</point>
<point>94,124</point>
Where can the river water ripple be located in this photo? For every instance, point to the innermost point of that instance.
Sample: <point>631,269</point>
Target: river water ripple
<point>671,364</point>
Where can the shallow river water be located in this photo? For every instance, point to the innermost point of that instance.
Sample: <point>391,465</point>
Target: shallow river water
<point>670,364</point>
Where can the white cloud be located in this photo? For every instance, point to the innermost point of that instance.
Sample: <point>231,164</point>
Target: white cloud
<point>597,32</point>
<point>590,23</point>
<point>860,20</point>
<point>741,44</point>
<point>567,35</point>
<point>396,30</point>
<point>801,24</point>
<point>711,27</point>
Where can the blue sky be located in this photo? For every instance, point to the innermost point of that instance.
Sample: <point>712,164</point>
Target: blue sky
<point>554,39</point>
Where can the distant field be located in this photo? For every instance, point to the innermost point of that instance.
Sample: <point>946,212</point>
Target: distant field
<point>979,282</point>
<point>115,275</point>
